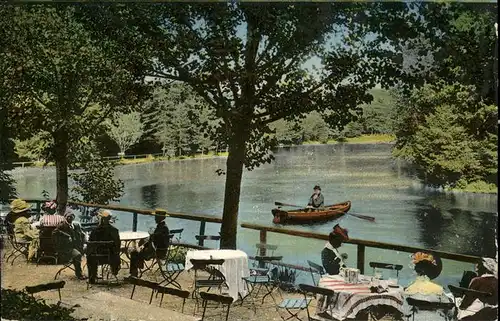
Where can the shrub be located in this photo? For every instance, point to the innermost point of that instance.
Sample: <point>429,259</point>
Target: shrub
<point>18,305</point>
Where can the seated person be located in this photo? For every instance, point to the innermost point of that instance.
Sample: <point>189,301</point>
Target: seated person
<point>23,230</point>
<point>473,308</point>
<point>331,259</point>
<point>160,238</point>
<point>104,232</point>
<point>69,240</point>
<point>316,200</point>
<point>427,267</point>
<point>50,218</point>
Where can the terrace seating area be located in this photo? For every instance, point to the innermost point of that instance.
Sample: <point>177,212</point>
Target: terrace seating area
<point>210,284</point>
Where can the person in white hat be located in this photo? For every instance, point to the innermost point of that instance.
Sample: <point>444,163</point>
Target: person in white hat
<point>486,308</point>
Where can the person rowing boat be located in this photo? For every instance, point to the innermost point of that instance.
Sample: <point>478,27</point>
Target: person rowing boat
<point>316,200</point>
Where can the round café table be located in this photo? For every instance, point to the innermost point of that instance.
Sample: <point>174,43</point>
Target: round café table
<point>353,298</point>
<point>130,237</point>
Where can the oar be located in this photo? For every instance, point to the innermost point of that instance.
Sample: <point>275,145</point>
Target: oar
<point>364,217</point>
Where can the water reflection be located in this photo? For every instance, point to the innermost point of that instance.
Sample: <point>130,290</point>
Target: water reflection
<point>150,195</point>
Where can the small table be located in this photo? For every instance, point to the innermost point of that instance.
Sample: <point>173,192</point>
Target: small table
<point>129,237</point>
<point>234,269</point>
<point>353,298</point>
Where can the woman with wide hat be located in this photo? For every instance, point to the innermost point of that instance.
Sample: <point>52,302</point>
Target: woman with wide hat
<point>23,231</point>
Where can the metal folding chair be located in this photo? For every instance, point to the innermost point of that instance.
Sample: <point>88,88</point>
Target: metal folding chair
<point>314,291</point>
<point>144,283</point>
<point>175,292</point>
<point>220,299</point>
<point>258,282</point>
<point>46,287</point>
<point>293,306</point>
<point>315,269</point>
<point>18,249</point>
<point>386,266</point>
<point>47,247</point>
<point>420,305</point>
<point>101,252</point>
<point>202,238</point>
<point>215,278</point>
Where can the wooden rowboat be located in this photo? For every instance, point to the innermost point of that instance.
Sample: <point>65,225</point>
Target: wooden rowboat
<point>305,215</point>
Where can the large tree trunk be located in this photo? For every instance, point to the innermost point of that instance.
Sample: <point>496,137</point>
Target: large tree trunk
<point>61,158</point>
<point>234,172</point>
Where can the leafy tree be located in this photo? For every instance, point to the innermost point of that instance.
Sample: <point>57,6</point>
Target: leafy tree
<point>65,82</point>
<point>449,134</point>
<point>248,62</point>
<point>176,115</point>
<point>314,128</point>
<point>125,129</point>
<point>287,132</point>
<point>34,147</point>
<point>96,184</point>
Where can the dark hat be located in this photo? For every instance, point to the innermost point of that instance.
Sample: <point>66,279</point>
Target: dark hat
<point>317,187</point>
<point>341,232</point>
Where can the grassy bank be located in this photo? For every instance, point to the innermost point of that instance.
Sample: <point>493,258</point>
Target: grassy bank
<point>151,158</point>
<point>479,187</point>
<point>364,139</point>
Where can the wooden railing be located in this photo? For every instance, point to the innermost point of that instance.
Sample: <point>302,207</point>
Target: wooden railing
<point>203,219</point>
<point>361,245</point>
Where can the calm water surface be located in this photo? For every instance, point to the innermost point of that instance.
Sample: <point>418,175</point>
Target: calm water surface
<point>406,213</point>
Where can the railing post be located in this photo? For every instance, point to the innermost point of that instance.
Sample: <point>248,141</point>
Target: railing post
<point>361,258</point>
<point>134,223</point>
<point>202,232</point>
<point>263,240</point>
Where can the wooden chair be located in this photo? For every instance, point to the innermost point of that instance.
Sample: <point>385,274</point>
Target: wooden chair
<point>220,299</point>
<point>386,266</point>
<point>144,283</point>
<point>420,305</point>
<point>315,269</point>
<point>46,287</point>
<point>175,292</point>
<point>202,238</point>
<point>314,291</point>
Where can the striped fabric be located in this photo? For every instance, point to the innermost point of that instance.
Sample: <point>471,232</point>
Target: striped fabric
<point>350,299</point>
<point>51,220</point>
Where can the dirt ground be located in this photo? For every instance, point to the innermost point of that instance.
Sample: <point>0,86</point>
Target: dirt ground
<point>23,274</point>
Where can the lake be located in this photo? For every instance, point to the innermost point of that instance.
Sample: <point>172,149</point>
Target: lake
<point>406,212</point>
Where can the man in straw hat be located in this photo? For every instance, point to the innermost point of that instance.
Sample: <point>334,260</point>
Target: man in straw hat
<point>23,230</point>
<point>160,239</point>
<point>69,241</point>
<point>104,232</point>
<point>485,308</point>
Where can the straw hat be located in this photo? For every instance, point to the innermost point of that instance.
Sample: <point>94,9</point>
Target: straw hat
<point>160,212</point>
<point>105,214</point>
<point>19,206</point>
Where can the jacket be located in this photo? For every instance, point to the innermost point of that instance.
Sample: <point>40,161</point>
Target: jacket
<point>106,233</point>
<point>331,261</point>
<point>318,202</point>
<point>23,229</point>
<point>67,238</point>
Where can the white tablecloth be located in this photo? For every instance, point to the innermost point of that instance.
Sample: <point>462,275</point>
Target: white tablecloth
<point>353,298</point>
<point>234,269</point>
<point>133,236</point>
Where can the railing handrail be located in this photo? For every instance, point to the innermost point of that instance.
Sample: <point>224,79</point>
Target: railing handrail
<point>191,217</point>
<point>380,245</point>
